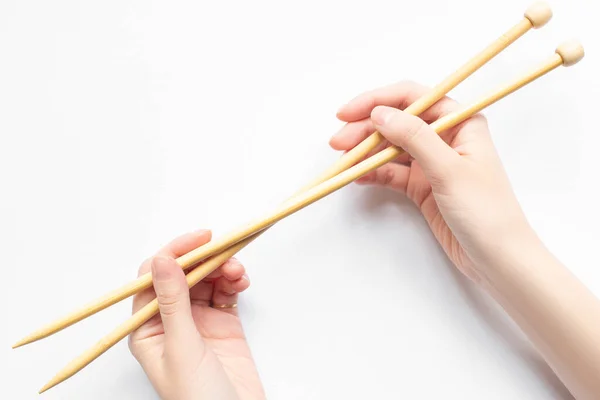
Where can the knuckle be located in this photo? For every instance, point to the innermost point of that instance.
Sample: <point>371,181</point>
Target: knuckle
<point>385,176</point>
<point>415,130</point>
<point>367,127</point>
<point>412,90</point>
<point>169,303</point>
<point>441,109</point>
<point>371,102</point>
<point>226,287</point>
<point>406,87</point>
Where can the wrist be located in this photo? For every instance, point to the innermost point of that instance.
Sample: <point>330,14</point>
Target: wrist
<point>557,313</point>
<point>523,268</point>
<point>516,254</point>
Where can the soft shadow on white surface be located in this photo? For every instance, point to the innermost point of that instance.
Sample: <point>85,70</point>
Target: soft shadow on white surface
<point>505,332</point>
<point>127,123</point>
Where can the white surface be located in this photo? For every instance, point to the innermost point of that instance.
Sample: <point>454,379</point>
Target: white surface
<point>126,123</point>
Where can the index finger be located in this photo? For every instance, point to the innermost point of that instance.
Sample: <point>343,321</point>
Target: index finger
<point>180,246</point>
<point>399,95</point>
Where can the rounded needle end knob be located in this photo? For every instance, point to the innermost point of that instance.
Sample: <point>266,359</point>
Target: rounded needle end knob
<point>539,14</point>
<point>571,52</point>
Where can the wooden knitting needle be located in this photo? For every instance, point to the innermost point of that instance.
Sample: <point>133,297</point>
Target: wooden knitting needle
<point>535,16</point>
<point>566,54</point>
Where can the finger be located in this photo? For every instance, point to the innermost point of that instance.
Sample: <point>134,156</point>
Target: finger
<point>416,137</point>
<point>226,293</point>
<point>472,138</point>
<point>202,292</point>
<point>405,158</point>
<point>393,176</point>
<point>352,134</point>
<point>399,95</point>
<point>176,248</point>
<point>173,297</point>
<point>231,267</point>
<point>186,243</point>
<point>179,246</point>
<point>441,108</point>
<point>380,146</point>
<point>227,287</point>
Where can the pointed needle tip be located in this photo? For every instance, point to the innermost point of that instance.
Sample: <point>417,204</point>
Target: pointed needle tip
<point>46,387</point>
<point>24,341</point>
<point>18,344</point>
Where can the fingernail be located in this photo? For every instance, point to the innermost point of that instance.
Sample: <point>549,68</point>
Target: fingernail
<point>245,276</point>
<point>381,115</point>
<point>161,268</point>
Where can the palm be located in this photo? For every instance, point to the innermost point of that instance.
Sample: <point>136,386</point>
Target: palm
<point>466,140</point>
<point>419,191</point>
<point>222,333</point>
<point>217,351</point>
<point>405,175</point>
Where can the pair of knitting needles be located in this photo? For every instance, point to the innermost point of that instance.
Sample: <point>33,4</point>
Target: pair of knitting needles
<point>210,256</point>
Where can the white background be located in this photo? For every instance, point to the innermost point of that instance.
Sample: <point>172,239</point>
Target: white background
<point>127,123</point>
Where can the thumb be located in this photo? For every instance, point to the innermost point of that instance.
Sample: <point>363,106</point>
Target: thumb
<point>173,296</point>
<point>417,138</point>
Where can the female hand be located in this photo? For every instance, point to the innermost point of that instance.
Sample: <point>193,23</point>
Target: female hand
<point>460,187</point>
<point>191,350</point>
<point>456,180</point>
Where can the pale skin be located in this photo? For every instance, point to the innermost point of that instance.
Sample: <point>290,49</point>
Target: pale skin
<point>457,182</point>
<point>192,351</point>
